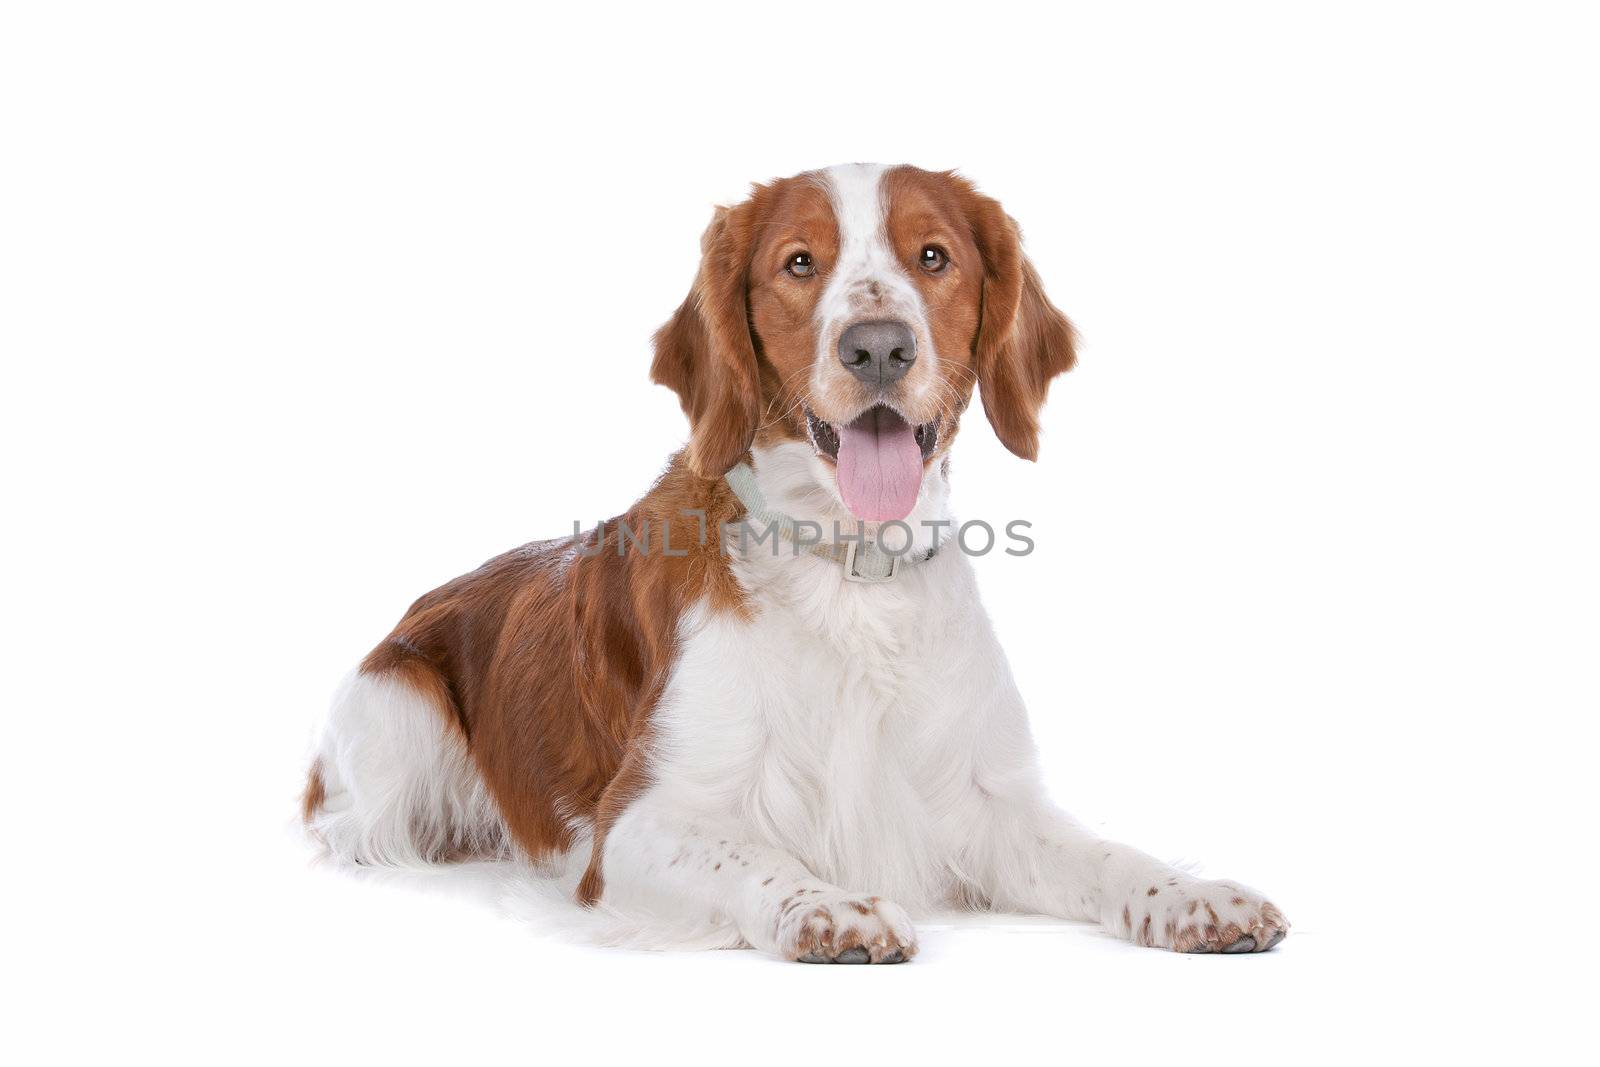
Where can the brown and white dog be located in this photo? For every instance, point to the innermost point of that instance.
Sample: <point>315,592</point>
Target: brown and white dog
<point>757,741</point>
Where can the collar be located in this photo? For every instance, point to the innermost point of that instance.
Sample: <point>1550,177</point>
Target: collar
<point>864,560</point>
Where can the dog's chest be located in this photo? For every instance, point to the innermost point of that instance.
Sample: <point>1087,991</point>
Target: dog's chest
<point>824,721</point>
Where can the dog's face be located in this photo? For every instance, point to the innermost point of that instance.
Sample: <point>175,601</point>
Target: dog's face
<point>855,309</point>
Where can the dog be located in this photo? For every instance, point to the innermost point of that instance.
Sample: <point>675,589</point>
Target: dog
<point>803,737</point>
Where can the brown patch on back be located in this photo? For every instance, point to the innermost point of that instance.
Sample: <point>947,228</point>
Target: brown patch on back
<point>548,662</point>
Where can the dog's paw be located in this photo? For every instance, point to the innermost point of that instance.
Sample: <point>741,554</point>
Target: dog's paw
<point>834,927</point>
<point>1190,915</point>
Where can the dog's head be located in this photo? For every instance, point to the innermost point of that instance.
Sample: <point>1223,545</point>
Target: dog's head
<point>855,308</point>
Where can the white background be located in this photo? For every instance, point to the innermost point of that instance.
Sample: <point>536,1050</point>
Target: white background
<point>307,308</point>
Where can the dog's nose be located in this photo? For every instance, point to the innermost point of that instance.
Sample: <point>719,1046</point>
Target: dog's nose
<point>878,352</point>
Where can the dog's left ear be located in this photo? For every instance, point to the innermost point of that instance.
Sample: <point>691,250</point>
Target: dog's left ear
<point>705,352</point>
<point>1023,340</point>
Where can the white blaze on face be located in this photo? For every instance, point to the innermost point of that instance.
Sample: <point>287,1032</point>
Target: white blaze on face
<point>879,462</point>
<point>868,283</point>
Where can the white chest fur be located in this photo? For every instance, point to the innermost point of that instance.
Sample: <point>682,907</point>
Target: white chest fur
<point>855,727</point>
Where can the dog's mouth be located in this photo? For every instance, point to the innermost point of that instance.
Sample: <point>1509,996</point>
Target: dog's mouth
<point>878,458</point>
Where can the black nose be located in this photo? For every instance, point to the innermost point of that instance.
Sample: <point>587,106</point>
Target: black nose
<point>878,352</point>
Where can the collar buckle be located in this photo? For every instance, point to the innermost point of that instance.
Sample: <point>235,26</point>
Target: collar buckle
<point>852,574</point>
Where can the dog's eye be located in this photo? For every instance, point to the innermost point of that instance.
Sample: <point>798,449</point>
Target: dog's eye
<point>933,259</point>
<point>800,265</point>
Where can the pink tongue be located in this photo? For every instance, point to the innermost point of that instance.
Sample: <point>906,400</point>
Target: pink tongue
<point>880,466</point>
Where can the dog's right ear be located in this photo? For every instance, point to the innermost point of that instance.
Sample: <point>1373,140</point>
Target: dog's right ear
<point>705,352</point>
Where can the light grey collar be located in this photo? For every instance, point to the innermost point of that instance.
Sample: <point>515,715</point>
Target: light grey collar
<point>863,559</point>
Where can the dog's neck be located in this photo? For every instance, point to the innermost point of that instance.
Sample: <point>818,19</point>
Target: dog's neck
<point>800,484</point>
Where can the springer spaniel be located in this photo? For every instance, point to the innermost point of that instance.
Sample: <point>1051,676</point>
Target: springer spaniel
<point>801,737</point>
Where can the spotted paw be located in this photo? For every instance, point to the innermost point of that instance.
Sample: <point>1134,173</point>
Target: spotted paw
<point>828,927</point>
<point>1190,915</point>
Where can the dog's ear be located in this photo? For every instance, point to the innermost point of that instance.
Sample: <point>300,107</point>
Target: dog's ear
<point>705,353</point>
<point>1023,341</point>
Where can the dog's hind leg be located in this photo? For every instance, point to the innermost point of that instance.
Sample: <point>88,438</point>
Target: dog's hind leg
<point>392,782</point>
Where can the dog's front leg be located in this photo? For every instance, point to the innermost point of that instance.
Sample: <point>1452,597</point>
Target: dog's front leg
<point>709,866</point>
<point>1024,854</point>
<point>1041,860</point>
